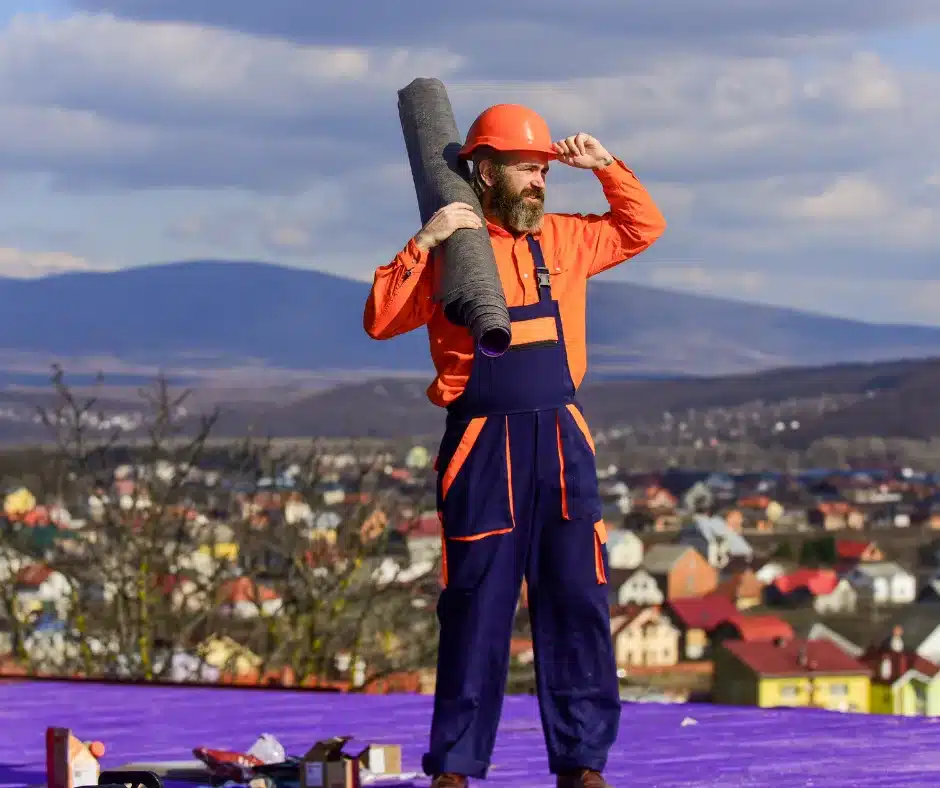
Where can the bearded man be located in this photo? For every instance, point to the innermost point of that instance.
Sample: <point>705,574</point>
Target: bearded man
<point>517,488</point>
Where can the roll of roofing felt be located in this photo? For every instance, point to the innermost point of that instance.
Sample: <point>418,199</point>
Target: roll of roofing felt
<point>468,283</point>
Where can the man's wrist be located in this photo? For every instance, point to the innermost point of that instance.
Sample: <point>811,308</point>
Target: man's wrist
<point>423,242</point>
<point>605,163</point>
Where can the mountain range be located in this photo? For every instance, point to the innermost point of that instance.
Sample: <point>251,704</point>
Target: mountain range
<point>894,399</point>
<point>256,323</point>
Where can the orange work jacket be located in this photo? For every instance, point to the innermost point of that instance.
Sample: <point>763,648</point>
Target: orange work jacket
<point>576,247</point>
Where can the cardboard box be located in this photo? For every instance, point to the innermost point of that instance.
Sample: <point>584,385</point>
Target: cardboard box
<point>330,774</point>
<point>327,765</point>
<point>381,759</point>
<point>70,762</point>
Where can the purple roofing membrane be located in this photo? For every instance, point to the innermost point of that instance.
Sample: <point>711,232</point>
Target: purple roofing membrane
<point>727,747</point>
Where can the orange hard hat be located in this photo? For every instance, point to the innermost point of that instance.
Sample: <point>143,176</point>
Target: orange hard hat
<point>509,127</point>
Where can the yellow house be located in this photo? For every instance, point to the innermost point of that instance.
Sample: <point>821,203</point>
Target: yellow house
<point>790,672</point>
<point>903,682</point>
<point>221,550</point>
<point>227,654</point>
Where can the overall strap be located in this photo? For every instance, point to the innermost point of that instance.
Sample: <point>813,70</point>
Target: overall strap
<point>542,274</point>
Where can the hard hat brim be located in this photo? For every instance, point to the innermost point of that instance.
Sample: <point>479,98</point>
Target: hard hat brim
<point>498,145</point>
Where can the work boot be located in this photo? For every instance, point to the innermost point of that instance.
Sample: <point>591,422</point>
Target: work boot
<point>454,781</point>
<point>585,778</point>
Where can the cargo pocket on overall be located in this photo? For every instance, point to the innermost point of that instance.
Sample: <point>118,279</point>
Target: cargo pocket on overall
<point>474,496</point>
<point>600,549</point>
<point>580,495</point>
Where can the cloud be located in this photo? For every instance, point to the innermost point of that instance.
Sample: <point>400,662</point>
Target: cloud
<point>171,73</point>
<point>749,158</point>
<point>676,22</point>
<point>774,141</point>
<point>97,100</point>
<point>22,264</point>
<point>848,199</point>
<point>309,227</point>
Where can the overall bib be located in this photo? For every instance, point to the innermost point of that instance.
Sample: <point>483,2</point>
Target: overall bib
<point>518,498</point>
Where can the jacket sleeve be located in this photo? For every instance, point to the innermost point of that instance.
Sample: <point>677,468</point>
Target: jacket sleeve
<point>401,298</point>
<point>631,226</point>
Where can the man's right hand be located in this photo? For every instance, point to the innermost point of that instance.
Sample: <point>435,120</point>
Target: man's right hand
<point>445,222</point>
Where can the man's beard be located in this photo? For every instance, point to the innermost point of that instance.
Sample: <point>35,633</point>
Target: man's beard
<point>515,211</point>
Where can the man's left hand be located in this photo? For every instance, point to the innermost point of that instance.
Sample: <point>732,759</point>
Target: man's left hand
<point>582,151</point>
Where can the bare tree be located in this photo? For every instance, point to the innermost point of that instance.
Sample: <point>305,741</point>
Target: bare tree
<point>202,559</point>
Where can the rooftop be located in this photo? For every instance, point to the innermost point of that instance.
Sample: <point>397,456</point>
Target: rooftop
<point>704,612</point>
<point>728,748</point>
<point>795,657</point>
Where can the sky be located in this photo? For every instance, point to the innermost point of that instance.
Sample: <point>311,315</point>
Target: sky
<point>791,145</point>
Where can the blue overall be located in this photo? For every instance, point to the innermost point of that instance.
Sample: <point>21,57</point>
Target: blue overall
<point>518,498</point>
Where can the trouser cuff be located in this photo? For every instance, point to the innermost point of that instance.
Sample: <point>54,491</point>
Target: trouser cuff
<point>453,763</point>
<point>593,761</point>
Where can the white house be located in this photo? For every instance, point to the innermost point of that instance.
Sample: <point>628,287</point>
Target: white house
<point>883,583</point>
<point>842,599</point>
<point>298,511</point>
<point>624,549</point>
<point>715,540</point>
<point>770,572</point>
<point>620,494</point>
<point>698,497</point>
<point>645,637</point>
<point>38,586</point>
<point>11,562</point>
<point>820,631</point>
<point>641,589</point>
<point>390,571</point>
<point>243,598</point>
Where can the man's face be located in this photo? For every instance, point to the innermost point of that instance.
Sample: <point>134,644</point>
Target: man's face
<point>517,192</point>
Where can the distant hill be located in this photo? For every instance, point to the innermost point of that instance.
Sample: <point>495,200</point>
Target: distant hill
<point>200,318</point>
<point>895,399</point>
<point>890,399</point>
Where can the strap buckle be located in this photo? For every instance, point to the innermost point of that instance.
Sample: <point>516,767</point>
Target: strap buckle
<point>544,276</point>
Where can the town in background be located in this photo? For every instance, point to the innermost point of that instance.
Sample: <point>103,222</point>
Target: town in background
<point>746,564</point>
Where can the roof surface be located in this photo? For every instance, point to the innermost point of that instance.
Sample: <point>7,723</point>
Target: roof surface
<point>795,657</point>
<point>716,528</point>
<point>817,581</point>
<point>728,748</point>
<point>705,612</point>
<point>899,663</point>
<point>853,548</point>
<point>881,569</point>
<point>752,629</point>
<point>659,559</point>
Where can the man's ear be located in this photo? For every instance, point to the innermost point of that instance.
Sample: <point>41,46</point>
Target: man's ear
<point>487,172</point>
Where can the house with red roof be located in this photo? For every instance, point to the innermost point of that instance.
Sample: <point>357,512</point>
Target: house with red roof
<point>752,629</point>
<point>790,672</point>
<point>38,586</point>
<point>423,536</point>
<point>903,682</point>
<point>801,587</point>
<point>851,552</point>
<point>696,618</point>
<point>242,597</point>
